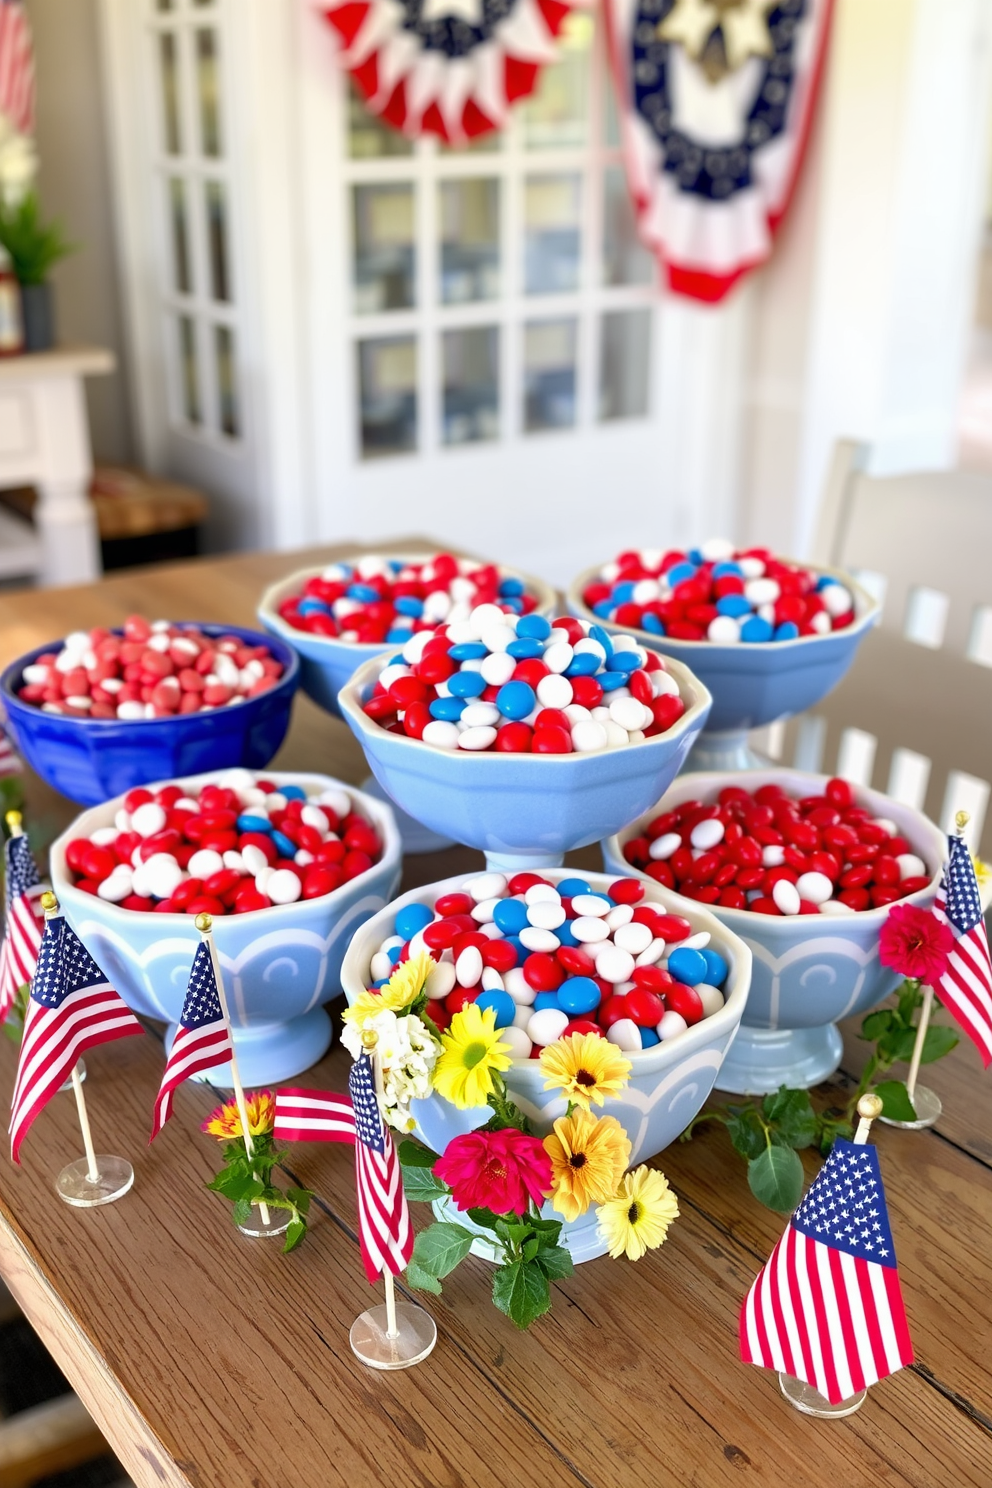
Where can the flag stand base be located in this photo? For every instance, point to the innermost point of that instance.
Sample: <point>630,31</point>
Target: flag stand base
<point>926,1104</point>
<point>808,1400</point>
<point>416,1335</point>
<point>115,1176</point>
<point>257,1229</point>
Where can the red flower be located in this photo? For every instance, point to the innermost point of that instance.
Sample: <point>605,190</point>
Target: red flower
<point>497,1170</point>
<point>915,943</point>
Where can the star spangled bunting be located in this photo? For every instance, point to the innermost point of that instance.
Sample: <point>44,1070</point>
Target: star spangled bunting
<point>72,1007</point>
<point>203,1039</point>
<point>965,989</point>
<point>16,67</point>
<point>827,1306</point>
<point>384,1228</point>
<point>24,921</point>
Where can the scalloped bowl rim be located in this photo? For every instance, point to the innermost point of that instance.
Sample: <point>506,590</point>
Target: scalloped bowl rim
<point>867,614</point>
<point>290,674</point>
<point>380,812</point>
<point>350,698</point>
<point>282,589</point>
<point>643,1061</point>
<point>740,919</point>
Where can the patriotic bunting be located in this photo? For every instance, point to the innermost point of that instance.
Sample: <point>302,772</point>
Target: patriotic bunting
<point>716,98</point>
<point>24,921</point>
<point>965,988</point>
<point>446,67</point>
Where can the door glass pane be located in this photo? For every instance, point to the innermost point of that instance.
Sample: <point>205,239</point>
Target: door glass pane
<point>624,360</point>
<point>207,84</point>
<point>384,252</point>
<point>625,259</point>
<point>227,393</point>
<point>552,205</point>
<point>216,204</point>
<point>611,115</point>
<point>469,216</point>
<point>368,137</point>
<point>549,374</point>
<point>188,373</point>
<point>471,384</point>
<point>169,68</point>
<point>557,114</point>
<point>482,144</point>
<point>387,379</point>
<point>180,237</point>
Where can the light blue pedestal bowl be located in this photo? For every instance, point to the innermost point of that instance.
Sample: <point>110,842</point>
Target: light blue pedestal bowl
<point>752,685</point>
<point>523,810</point>
<point>280,965</point>
<point>669,1083</point>
<point>809,971</point>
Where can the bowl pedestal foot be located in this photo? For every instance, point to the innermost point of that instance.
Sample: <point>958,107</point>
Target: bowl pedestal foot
<point>724,749</point>
<point>522,862</point>
<point>269,1053</point>
<point>761,1059</point>
<point>416,838</point>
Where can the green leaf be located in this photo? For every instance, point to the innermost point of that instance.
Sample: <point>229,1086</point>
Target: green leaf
<point>522,1291</point>
<point>876,1024</point>
<point>440,1247</point>
<point>242,1211</point>
<point>555,1262</point>
<point>421,1279</point>
<point>792,1116</point>
<point>938,1042</point>
<point>34,246</point>
<point>909,999</point>
<point>484,1218</point>
<point>530,1248</point>
<point>294,1235</point>
<point>420,1185</point>
<point>412,1155</point>
<point>776,1179</point>
<point>513,1234</point>
<point>301,1198</point>
<point>896,1104</point>
<point>898,1045</point>
<point>745,1131</point>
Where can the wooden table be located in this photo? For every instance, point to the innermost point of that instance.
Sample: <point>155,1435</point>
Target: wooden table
<point>211,1360</point>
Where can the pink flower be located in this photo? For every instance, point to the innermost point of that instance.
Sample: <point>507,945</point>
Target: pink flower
<point>915,943</point>
<point>497,1170</point>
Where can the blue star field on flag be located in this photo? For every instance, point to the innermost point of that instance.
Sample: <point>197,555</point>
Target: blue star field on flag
<point>368,1121</point>
<point>845,1208</point>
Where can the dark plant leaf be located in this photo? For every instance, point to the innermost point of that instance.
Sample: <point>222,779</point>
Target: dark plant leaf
<point>776,1179</point>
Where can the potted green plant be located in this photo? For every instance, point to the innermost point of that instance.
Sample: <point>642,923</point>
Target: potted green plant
<point>34,247</point>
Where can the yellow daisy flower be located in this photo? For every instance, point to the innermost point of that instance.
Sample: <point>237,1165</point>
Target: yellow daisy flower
<point>225,1122</point>
<point>589,1156</point>
<point>585,1068</point>
<point>402,989</point>
<point>471,1053</point>
<point>637,1219</point>
<point>983,877</point>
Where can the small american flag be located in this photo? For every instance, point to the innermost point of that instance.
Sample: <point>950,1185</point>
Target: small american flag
<point>24,923</point>
<point>965,989</point>
<point>203,1039</point>
<point>72,1007</point>
<point>384,1228</point>
<point>827,1306</point>
<point>16,67</point>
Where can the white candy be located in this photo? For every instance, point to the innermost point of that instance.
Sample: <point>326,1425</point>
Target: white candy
<point>104,836</point>
<point>751,568</point>
<point>545,915</point>
<point>441,734</point>
<point>468,967</point>
<point>381,967</point>
<point>122,820</point>
<point>591,904</point>
<point>614,964</point>
<point>616,737</point>
<point>492,981</point>
<point>815,887</point>
<point>391,674</point>
<point>835,907</point>
<point>518,987</point>
<point>117,886</point>
<point>485,617</point>
<point>671,1025</point>
<point>711,997</point>
<point>554,691</point>
<point>707,833</point>
<point>284,887</point>
<point>786,896</point>
<point>163,875</point>
<point>129,711</point>
<point>538,940</point>
<point>206,862</point>
<point>633,937</point>
<point>619,915</point>
<point>475,738</point>
<point>483,911</point>
<point>664,683</point>
<point>338,800</point>
<point>148,818</point>
<point>696,942</point>
<point>522,1017</point>
<point>725,630</point>
<point>662,847</point>
<point>836,599</point>
<point>557,656</point>
<point>821,623</point>
<point>760,592</point>
<point>625,1034</point>
<point>717,550</point>
<point>312,816</point>
<point>538,893</point>
<point>630,714</point>
<point>546,1025</point>
<point>233,859</point>
<point>773,856</point>
<point>497,669</point>
<point>479,715</point>
<point>516,1041</point>
<point>588,929</point>
<point>588,737</point>
<point>486,886</point>
<point>262,879</point>
<point>496,638</point>
<point>253,858</point>
<point>910,866</point>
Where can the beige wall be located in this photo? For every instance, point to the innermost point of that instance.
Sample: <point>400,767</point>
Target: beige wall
<point>74,185</point>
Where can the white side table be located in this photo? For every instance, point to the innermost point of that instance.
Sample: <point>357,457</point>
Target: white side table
<point>45,441</point>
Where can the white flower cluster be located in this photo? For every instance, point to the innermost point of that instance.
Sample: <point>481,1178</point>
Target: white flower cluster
<point>407,1053</point>
<point>18,163</point>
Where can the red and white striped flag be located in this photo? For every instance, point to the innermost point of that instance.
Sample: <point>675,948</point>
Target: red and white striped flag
<point>24,924</point>
<point>203,1039</point>
<point>72,1007</point>
<point>384,1228</point>
<point>16,67</point>
<point>965,989</point>
<point>827,1306</point>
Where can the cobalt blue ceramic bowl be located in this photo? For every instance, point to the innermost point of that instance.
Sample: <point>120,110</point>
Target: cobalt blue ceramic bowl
<point>753,684</point>
<point>523,810</point>
<point>809,971</point>
<point>668,1083</point>
<point>91,759</point>
<point>280,965</point>
<point>327,663</point>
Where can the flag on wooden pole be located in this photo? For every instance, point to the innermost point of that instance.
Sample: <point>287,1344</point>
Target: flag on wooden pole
<point>965,988</point>
<point>24,921</point>
<point>203,1039</point>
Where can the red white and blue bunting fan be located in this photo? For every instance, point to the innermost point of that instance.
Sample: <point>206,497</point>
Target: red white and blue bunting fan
<point>716,100</point>
<point>446,67</point>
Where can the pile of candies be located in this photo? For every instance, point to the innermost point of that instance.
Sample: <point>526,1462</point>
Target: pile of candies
<point>524,684</point>
<point>556,959</point>
<point>770,854</point>
<point>154,670</point>
<point>383,601</point>
<point>241,844</point>
<point>718,593</point>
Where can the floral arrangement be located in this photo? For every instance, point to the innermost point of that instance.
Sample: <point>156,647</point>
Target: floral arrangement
<point>502,1177</point>
<point>247,1179</point>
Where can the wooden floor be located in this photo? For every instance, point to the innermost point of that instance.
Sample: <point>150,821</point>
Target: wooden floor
<point>211,1360</point>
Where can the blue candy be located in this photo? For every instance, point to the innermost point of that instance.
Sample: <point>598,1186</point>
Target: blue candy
<point>717,969</point>
<point>364,593</point>
<point>409,604</point>
<point>510,915</point>
<point>728,571</point>
<point>623,593</point>
<point>502,1004</point>
<point>651,622</point>
<point>578,995</point>
<point>603,608</point>
<point>756,629</point>
<point>610,681</point>
<point>519,947</point>
<point>625,661</point>
<point>468,651</point>
<point>515,699</point>
<point>396,634</point>
<point>687,965</point>
<point>597,633</point>
<point>564,934</point>
<point>467,685</point>
<point>411,918</point>
<point>293,792</point>
<point>450,709</point>
<point>680,572</point>
<point>284,846</point>
<point>525,649</point>
<point>311,606</point>
<point>511,587</point>
<point>569,887</point>
<point>248,823</point>
<point>547,1000</point>
<point>394,953</point>
<point>582,664</point>
<point>649,1037</point>
<point>787,631</point>
<point>733,604</point>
